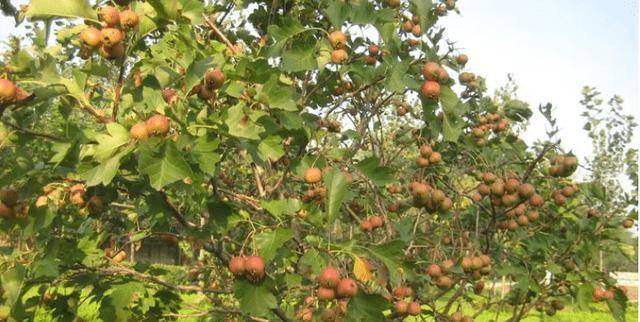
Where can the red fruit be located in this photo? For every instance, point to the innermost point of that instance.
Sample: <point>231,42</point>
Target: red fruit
<point>329,277</point>
<point>91,37</point>
<point>627,223</point>
<point>401,307</point>
<point>523,220</point>
<point>462,59</point>
<point>444,282</point>
<point>486,260</point>
<point>115,52</point>
<point>422,162</point>
<point>169,95</point>
<point>111,36</point>
<point>325,294</point>
<point>430,71</point>
<point>376,221</point>
<point>536,200</point>
<point>139,131</point>
<point>402,292</point>
<point>426,150</point>
<point>205,93</point>
<point>374,50</point>
<point>369,60</point>
<point>337,39</point>
<point>446,265</point>
<point>347,288</point>
<point>598,294</point>
<point>339,56</point>
<point>5,211</point>
<point>456,317</point>
<point>158,124</point>
<point>430,89</point>
<point>608,295</point>
<point>434,271</point>
<point>512,185</point>
<point>254,267</point>
<point>416,30</point>
<point>366,226</point>
<point>109,15</point>
<point>414,309</point>
<point>328,315</point>
<point>236,265</point>
<point>435,157</point>
<point>129,19</point>
<point>312,175</point>
<point>214,78</point>
<point>466,264</point>
<point>526,190</point>
<point>8,91</point>
<point>9,197</point>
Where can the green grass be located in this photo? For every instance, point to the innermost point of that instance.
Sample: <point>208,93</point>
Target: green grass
<point>598,313</point>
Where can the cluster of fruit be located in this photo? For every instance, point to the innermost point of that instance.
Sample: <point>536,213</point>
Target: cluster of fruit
<point>157,125</point>
<point>434,75</point>
<point>10,93</point>
<point>600,294</point>
<point>563,165</point>
<point>372,58</point>
<point>428,157</point>
<point>404,303</point>
<point>251,267</point>
<point>424,195</point>
<point>459,317</point>
<point>213,80</point>
<point>332,286</point>
<point>115,255</point>
<point>488,122</point>
<point>412,26</point>
<point>343,86</point>
<point>10,205</point>
<point>371,223</point>
<point>338,40</point>
<point>507,192</point>
<point>109,40</point>
<point>77,196</point>
<point>560,196</point>
<point>332,125</point>
<point>335,314</point>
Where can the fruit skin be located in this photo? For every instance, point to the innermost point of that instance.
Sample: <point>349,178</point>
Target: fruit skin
<point>5,211</point>
<point>401,307</point>
<point>329,277</point>
<point>339,56</point>
<point>430,89</point>
<point>337,39</point>
<point>347,288</point>
<point>366,226</point>
<point>139,131</point>
<point>236,265</point>
<point>444,282</point>
<point>115,52</point>
<point>158,124</point>
<point>91,37</point>
<point>462,59</point>
<point>526,190</point>
<point>9,197</point>
<point>129,19</point>
<point>325,294</point>
<point>414,309</point>
<point>111,36</point>
<point>434,271</point>
<point>376,221</point>
<point>430,71</point>
<point>627,223</point>
<point>214,78</point>
<point>254,267</point>
<point>536,200</point>
<point>426,151</point>
<point>466,77</point>
<point>312,175</point>
<point>109,15</point>
<point>8,91</point>
<point>205,92</point>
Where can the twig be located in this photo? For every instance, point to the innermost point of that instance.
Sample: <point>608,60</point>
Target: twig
<point>118,92</point>
<point>533,164</point>
<point>220,34</point>
<point>33,133</point>
<point>175,212</point>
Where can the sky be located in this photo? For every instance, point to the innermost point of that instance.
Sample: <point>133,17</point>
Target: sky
<point>552,48</point>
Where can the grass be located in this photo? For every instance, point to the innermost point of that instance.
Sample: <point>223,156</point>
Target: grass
<point>598,313</point>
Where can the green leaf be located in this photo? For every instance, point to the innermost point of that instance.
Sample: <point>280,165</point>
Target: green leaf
<point>105,171</point>
<point>450,130</point>
<point>63,8</point>
<point>271,148</point>
<point>92,253</point>
<point>120,297</point>
<point>299,57</point>
<point>205,154</point>
<point>517,110</point>
<point>451,104</point>
<point>269,242</point>
<point>390,254</point>
<point>283,32</point>
<point>255,299</point>
<point>337,12</point>
<point>165,166</point>
<point>618,306</point>
<point>313,259</point>
<point>367,307</point>
<point>241,124</point>
<point>61,150</point>
<point>278,96</point>
<point>196,70</point>
<point>108,144</point>
<point>583,296</point>
<point>281,207</point>
<point>337,187</point>
<point>12,281</point>
<point>75,86</point>
<point>395,82</point>
<point>379,175</point>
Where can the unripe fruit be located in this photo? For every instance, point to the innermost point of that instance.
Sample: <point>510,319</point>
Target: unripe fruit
<point>139,131</point>
<point>8,91</point>
<point>236,265</point>
<point>426,151</point>
<point>339,56</point>
<point>347,288</point>
<point>91,37</point>
<point>337,39</point>
<point>214,78</point>
<point>444,282</point>
<point>129,19</point>
<point>158,125</point>
<point>430,89</point>
<point>446,204</point>
<point>312,175</point>
<point>325,294</point>
<point>254,267</point>
<point>366,226</point>
<point>109,15</point>
<point>376,221</point>
<point>434,271</point>
<point>329,277</point>
<point>111,36</point>
<point>462,59</point>
<point>526,190</point>
<point>430,71</point>
<point>414,309</point>
<point>401,307</point>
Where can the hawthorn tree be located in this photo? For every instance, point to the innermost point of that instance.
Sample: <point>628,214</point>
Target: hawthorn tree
<point>314,160</point>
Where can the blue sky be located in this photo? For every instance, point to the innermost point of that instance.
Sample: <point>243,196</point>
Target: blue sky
<point>553,48</point>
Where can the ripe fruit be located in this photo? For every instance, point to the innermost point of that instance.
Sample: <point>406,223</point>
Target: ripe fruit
<point>401,307</point>
<point>109,15</point>
<point>422,162</point>
<point>407,26</point>
<point>536,200</point>
<point>139,131</point>
<point>312,175</point>
<point>416,30</point>
<point>523,220</point>
<point>488,177</point>
<point>512,185</point>
<point>339,56</point>
<point>430,71</point>
<point>111,36</point>
<point>328,315</point>
<point>115,52</point>
<point>91,37</point>
<point>426,151</point>
<point>329,277</point>
<point>347,288</point>
<point>462,59</point>
<point>9,197</point>
<point>444,282</point>
<point>430,89</point>
<point>476,263</point>
<point>254,267</point>
<point>533,215</point>
<point>627,223</point>
<point>466,77</point>
<point>434,271</point>
<point>559,199</point>
<point>366,226</point>
<point>456,317</point>
<point>325,294</point>
<point>526,190</point>
<point>369,60</point>
<point>484,189</point>
<point>158,125</point>
<point>435,157</point>
<point>206,93</point>
<point>5,211</point>
<point>214,78</point>
<point>414,309</point>
<point>402,292</point>
<point>451,4</point>
<point>236,265</point>
<point>169,95</point>
<point>374,50</point>
<point>8,91</point>
<point>466,318</point>
<point>337,39</point>
<point>497,188</point>
<point>376,221</point>
<point>393,3</point>
<point>446,265</point>
<point>129,19</point>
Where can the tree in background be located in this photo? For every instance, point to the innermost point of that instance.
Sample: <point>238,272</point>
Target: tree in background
<point>314,160</point>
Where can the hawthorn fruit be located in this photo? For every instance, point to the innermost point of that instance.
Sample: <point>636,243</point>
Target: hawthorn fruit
<point>158,125</point>
<point>312,175</point>
<point>414,309</point>
<point>91,37</point>
<point>430,89</point>
<point>339,56</point>
<point>214,78</point>
<point>109,15</point>
<point>111,37</point>
<point>8,91</point>
<point>139,131</point>
<point>376,221</point>
<point>237,265</point>
<point>129,19</point>
<point>347,287</point>
<point>462,59</point>
<point>325,293</point>
<point>434,271</point>
<point>254,267</point>
<point>430,71</point>
<point>329,277</point>
<point>401,307</point>
<point>337,39</point>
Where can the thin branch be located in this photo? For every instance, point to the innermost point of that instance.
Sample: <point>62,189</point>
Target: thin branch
<point>220,34</point>
<point>33,133</point>
<point>175,212</point>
